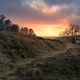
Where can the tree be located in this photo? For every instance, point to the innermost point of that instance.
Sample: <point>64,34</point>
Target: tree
<point>2,20</point>
<point>8,25</point>
<point>31,32</point>
<point>25,30</point>
<point>14,28</point>
<point>72,32</point>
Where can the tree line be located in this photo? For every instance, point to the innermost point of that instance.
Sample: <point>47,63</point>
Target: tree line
<point>7,25</point>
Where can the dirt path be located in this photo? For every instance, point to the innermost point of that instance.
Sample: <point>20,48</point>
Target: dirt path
<point>68,46</point>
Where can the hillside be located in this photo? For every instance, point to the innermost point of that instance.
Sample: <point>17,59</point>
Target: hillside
<point>32,58</point>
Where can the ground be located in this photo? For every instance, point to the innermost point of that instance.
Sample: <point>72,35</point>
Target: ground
<point>32,58</point>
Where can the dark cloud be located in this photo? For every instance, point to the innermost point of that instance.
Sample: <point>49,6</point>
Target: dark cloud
<point>9,4</point>
<point>60,2</point>
<point>16,9</point>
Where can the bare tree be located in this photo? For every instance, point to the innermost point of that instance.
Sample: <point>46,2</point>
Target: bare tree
<point>7,25</point>
<point>72,32</point>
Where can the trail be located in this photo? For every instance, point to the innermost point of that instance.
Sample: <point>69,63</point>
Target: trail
<point>68,46</point>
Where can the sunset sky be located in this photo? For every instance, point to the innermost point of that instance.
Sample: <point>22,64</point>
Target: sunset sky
<point>45,17</point>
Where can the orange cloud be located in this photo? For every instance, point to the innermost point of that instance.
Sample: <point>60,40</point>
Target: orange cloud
<point>45,9</point>
<point>49,21</point>
<point>44,29</point>
<point>46,17</point>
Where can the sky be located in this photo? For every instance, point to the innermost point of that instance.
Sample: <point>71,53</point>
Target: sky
<point>45,17</point>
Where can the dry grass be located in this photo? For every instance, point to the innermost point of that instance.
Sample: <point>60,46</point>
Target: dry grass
<point>32,58</point>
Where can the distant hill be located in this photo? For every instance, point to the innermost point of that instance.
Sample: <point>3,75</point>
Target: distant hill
<point>25,57</point>
<point>68,39</point>
<point>49,37</point>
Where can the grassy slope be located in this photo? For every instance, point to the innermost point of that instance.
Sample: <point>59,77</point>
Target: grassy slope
<point>31,58</point>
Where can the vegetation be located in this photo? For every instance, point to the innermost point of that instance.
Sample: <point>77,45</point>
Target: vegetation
<point>7,25</point>
<point>72,32</point>
<point>32,58</point>
<point>27,31</point>
<point>24,56</point>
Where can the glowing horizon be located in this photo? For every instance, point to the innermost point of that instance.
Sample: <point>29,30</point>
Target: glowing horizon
<point>44,29</point>
<point>45,17</point>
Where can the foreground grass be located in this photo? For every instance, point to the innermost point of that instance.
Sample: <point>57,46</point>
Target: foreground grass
<point>31,58</point>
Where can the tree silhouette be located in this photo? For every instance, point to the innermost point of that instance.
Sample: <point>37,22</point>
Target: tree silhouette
<point>14,28</point>
<point>31,32</point>
<point>72,32</point>
<point>2,20</point>
<point>8,25</point>
<point>25,30</point>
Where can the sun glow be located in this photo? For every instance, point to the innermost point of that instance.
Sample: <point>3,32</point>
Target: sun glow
<point>47,30</point>
<point>43,29</point>
<point>45,22</point>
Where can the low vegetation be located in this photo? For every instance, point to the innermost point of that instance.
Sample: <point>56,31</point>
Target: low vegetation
<point>72,33</point>
<point>24,56</point>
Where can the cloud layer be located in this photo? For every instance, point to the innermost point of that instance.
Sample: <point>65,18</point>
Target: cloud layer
<point>47,12</point>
